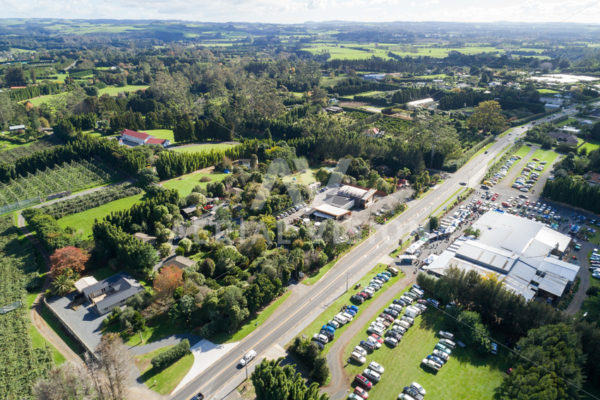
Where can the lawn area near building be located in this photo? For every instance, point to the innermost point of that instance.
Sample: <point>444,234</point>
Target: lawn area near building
<point>184,184</point>
<point>203,148</point>
<point>114,90</point>
<point>467,375</point>
<point>523,151</point>
<point>83,221</point>
<point>545,155</point>
<point>589,146</point>
<point>305,177</point>
<point>344,299</point>
<point>165,380</point>
<point>161,134</point>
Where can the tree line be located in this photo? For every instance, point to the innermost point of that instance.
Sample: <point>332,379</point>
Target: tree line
<point>577,193</point>
<point>35,91</point>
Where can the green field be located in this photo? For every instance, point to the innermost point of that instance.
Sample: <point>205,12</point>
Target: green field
<point>114,91</point>
<point>523,151</point>
<point>344,299</point>
<point>305,178</point>
<point>202,148</point>
<point>348,51</point>
<point>166,380</point>
<point>590,146</point>
<point>467,375</point>
<point>547,91</point>
<point>161,134</point>
<point>83,221</point>
<point>38,101</point>
<point>545,155</point>
<point>184,184</point>
<point>37,340</point>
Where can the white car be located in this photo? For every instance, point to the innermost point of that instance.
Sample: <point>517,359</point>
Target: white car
<point>446,335</point>
<point>419,388</point>
<point>404,396</point>
<point>360,351</point>
<point>247,358</point>
<point>376,367</point>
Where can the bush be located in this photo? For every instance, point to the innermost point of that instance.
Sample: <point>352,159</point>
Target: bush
<point>167,358</point>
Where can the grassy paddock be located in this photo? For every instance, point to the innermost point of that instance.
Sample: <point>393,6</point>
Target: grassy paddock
<point>184,184</point>
<point>161,134</point>
<point>114,90</point>
<point>83,221</point>
<point>203,148</point>
<point>467,375</point>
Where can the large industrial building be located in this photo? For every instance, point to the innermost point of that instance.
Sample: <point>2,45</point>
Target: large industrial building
<point>523,254</point>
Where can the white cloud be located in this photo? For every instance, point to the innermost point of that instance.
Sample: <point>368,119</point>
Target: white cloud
<point>294,11</point>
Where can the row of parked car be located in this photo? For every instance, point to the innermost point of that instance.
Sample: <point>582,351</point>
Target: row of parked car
<point>441,352</point>
<point>375,285</point>
<point>291,210</point>
<point>412,392</point>
<point>389,328</point>
<point>327,332</point>
<point>595,264</point>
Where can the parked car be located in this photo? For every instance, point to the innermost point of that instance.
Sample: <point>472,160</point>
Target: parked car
<point>410,320</point>
<point>247,358</point>
<point>371,375</point>
<point>431,364</point>
<point>413,392</point>
<point>319,337</point>
<point>404,396</point>
<point>446,335</point>
<point>436,359</point>
<point>360,350</point>
<point>359,358</point>
<point>434,302</point>
<point>443,348</point>
<point>375,366</point>
<point>363,382</point>
<point>391,341</point>
<point>494,348</point>
<point>333,323</point>
<point>368,346</point>
<point>361,392</point>
<point>419,388</point>
<point>448,343</point>
<point>441,354</point>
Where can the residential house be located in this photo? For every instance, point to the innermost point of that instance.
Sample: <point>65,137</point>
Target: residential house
<point>110,293</point>
<point>145,237</point>
<point>564,137</point>
<point>179,262</point>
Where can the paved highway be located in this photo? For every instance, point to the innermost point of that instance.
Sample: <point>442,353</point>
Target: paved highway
<point>298,311</point>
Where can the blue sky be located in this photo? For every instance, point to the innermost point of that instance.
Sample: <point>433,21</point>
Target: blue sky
<point>295,11</point>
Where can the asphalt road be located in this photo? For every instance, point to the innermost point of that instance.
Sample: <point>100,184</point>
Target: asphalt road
<point>299,312</point>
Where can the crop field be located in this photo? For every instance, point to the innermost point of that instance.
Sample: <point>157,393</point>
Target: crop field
<point>203,148</point>
<point>18,151</point>
<point>74,176</point>
<point>82,222</point>
<point>20,363</point>
<point>467,375</point>
<point>114,90</point>
<point>348,51</point>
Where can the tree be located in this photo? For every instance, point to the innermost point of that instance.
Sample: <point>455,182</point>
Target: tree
<point>487,117</point>
<point>549,366</point>
<point>111,370</point>
<point>164,250</point>
<point>147,177</point>
<point>62,284</point>
<point>275,382</point>
<point>65,382</point>
<point>195,199</point>
<point>169,279</point>
<point>433,223</point>
<point>68,258</point>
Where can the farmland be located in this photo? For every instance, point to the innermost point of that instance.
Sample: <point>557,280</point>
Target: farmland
<point>161,134</point>
<point>114,90</point>
<point>82,222</point>
<point>467,375</point>
<point>18,151</point>
<point>66,177</point>
<point>20,363</point>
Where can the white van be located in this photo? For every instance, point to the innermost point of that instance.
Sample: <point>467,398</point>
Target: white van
<point>412,312</point>
<point>359,358</point>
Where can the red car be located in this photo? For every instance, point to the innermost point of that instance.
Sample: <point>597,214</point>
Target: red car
<point>362,381</point>
<point>208,207</point>
<point>361,392</point>
<point>377,337</point>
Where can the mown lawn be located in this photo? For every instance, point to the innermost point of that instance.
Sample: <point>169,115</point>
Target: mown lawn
<point>83,221</point>
<point>344,299</point>
<point>184,184</point>
<point>589,146</point>
<point>114,90</point>
<point>161,134</point>
<point>37,340</point>
<point>467,375</point>
<point>545,155</point>
<point>203,148</point>
<point>163,381</point>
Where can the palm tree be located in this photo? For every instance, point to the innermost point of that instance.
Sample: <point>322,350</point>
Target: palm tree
<point>62,284</point>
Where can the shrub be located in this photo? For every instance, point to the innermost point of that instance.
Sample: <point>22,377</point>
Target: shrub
<point>167,358</point>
